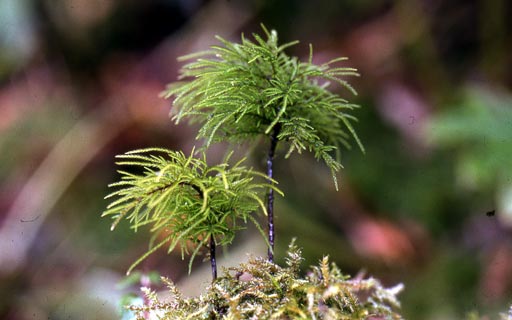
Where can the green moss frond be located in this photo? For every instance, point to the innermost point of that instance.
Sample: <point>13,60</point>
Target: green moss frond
<point>185,201</point>
<point>239,91</point>
<point>262,290</point>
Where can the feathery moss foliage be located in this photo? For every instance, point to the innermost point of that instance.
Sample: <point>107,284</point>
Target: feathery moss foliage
<point>185,200</point>
<point>242,91</point>
<point>263,290</point>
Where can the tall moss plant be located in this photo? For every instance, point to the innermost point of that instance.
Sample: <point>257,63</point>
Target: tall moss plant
<point>185,201</point>
<point>241,91</point>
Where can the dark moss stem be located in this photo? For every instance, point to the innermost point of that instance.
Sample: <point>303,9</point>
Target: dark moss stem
<point>213,261</point>
<point>270,199</point>
<point>212,244</point>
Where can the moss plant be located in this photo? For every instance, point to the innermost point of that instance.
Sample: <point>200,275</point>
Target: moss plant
<point>240,92</point>
<point>184,199</point>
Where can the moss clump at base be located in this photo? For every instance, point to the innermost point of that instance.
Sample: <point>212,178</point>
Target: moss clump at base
<point>259,289</point>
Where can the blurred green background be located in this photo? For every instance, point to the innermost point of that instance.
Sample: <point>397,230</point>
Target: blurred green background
<point>428,205</point>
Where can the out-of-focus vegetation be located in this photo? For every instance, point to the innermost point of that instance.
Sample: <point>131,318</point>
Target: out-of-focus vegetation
<point>429,205</point>
<point>479,133</point>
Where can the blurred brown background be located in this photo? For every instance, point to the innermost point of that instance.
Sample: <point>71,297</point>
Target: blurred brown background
<point>429,205</point>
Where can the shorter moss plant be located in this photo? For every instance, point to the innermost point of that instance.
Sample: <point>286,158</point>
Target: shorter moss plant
<point>185,201</point>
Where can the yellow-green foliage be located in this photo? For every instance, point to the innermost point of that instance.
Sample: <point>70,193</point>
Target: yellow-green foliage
<point>184,200</point>
<point>263,290</point>
<point>239,91</point>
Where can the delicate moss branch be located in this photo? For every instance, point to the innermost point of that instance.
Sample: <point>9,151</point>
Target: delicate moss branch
<point>185,200</point>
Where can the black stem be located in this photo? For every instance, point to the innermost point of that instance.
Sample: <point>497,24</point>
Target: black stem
<point>212,258</point>
<point>270,199</point>
<point>212,244</point>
